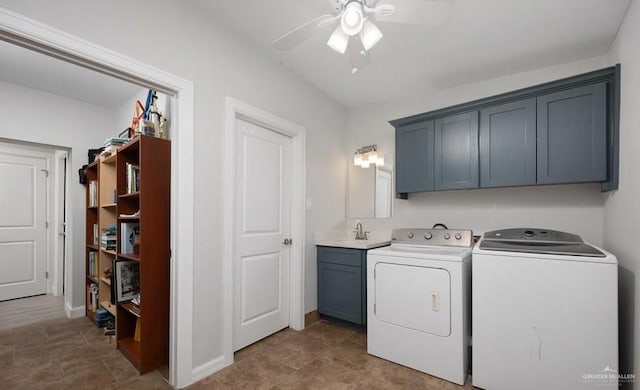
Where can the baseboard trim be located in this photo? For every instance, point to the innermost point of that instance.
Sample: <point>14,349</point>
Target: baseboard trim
<point>73,312</point>
<point>311,318</point>
<point>208,368</point>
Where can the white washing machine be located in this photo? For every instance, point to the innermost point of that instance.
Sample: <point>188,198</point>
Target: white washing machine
<point>418,301</point>
<point>545,312</point>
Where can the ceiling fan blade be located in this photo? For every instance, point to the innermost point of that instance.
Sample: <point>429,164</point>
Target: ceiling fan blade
<point>358,56</point>
<point>425,12</point>
<point>304,32</point>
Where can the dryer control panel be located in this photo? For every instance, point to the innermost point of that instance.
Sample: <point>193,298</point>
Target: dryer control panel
<point>436,237</point>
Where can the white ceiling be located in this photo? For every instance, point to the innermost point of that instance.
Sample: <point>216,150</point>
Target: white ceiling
<point>38,71</point>
<point>481,39</point>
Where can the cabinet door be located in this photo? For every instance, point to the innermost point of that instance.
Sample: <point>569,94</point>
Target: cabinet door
<point>508,144</point>
<point>414,158</point>
<point>340,291</point>
<point>572,135</point>
<point>456,152</point>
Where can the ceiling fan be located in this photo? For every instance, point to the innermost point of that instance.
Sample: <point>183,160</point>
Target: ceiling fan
<point>356,31</point>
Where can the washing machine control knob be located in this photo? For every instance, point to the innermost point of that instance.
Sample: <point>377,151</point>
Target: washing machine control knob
<point>458,236</point>
<point>410,235</point>
<point>447,236</point>
<point>428,236</point>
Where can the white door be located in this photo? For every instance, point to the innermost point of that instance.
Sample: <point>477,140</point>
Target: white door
<point>262,223</point>
<point>23,236</point>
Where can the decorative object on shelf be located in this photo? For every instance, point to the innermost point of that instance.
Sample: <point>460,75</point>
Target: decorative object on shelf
<point>126,133</point>
<point>94,153</point>
<point>132,215</point>
<point>367,155</point>
<point>137,116</point>
<point>127,279</point>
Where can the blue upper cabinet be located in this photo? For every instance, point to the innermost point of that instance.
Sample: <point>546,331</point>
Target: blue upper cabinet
<point>508,144</point>
<point>572,135</point>
<point>456,152</point>
<point>564,131</point>
<point>414,158</point>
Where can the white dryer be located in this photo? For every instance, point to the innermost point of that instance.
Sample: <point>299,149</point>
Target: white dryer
<point>545,312</point>
<point>418,301</point>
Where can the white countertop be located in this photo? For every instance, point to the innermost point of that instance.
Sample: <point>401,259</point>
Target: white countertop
<point>351,243</point>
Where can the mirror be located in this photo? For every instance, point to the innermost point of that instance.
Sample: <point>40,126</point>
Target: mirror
<point>371,190</point>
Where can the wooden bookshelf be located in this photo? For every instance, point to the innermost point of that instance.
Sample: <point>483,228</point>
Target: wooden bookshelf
<point>101,211</point>
<point>91,219</point>
<point>143,332</point>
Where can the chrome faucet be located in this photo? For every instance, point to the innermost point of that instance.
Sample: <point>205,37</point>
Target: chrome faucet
<point>360,235</point>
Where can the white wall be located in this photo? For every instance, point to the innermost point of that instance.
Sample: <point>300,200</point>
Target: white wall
<point>181,39</point>
<point>574,208</point>
<point>35,116</point>
<point>622,207</point>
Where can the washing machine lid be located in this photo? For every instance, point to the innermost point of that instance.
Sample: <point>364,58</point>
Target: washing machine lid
<point>543,241</point>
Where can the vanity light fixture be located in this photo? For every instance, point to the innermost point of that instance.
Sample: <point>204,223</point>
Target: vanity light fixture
<point>367,155</point>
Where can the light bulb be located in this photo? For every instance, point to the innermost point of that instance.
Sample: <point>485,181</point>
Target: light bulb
<point>357,159</point>
<point>371,35</point>
<point>365,164</point>
<point>352,18</point>
<point>373,157</point>
<point>338,41</point>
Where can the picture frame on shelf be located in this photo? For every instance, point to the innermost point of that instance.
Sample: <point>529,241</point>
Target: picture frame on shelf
<point>127,279</point>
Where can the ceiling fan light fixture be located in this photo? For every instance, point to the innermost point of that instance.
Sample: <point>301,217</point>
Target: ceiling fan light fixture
<point>371,35</point>
<point>352,18</point>
<point>338,41</point>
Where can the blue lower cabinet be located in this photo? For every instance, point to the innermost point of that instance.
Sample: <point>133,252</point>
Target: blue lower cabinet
<point>342,284</point>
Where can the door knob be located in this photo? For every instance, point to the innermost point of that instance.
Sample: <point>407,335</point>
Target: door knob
<point>287,241</point>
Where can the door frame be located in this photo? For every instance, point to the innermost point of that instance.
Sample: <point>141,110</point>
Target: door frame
<point>60,241</point>
<point>235,109</point>
<point>34,35</point>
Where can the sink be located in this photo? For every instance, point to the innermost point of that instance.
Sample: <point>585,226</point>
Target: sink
<point>352,243</point>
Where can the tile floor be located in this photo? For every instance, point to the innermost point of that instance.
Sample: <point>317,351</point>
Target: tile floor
<point>67,354</point>
<point>73,354</point>
<point>25,311</point>
<point>326,355</point>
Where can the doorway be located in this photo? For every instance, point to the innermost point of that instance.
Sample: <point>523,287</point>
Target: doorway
<point>31,34</point>
<point>264,225</point>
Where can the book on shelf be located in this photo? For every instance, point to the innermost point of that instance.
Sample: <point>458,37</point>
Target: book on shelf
<point>93,264</point>
<point>132,175</point>
<point>113,143</point>
<point>129,237</point>
<point>108,238</point>
<point>93,193</point>
<point>96,234</point>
